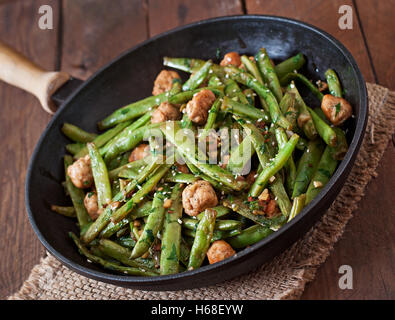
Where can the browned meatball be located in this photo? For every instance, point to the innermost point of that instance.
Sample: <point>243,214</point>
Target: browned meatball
<point>336,109</point>
<point>165,111</point>
<point>198,197</point>
<point>231,58</point>
<point>91,205</point>
<point>197,109</point>
<point>182,168</point>
<point>219,250</point>
<point>80,173</point>
<point>164,81</point>
<point>140,152</point>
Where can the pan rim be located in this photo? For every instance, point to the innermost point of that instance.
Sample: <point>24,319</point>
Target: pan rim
<point>343,168</point>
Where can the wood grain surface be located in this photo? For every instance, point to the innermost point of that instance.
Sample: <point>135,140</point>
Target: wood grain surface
<point>21,122</point>
<point>89,33</point>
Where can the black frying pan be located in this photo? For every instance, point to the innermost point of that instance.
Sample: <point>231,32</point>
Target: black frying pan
<point>130,77</point>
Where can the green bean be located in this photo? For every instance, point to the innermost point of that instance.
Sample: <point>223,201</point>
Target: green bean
<point>268,73</point>
<point>213,171</point>
<point>64,211</point>
<point>185,252</point>
<point>243,110</point>
<point>287,102</point>
<point>212,116</point>
<point>204,233</point>
<point>291,112</point>
<point>334,86</point>
<point>250,95</point>
<point>240,156</point>
<point>122,212</point>
<point>274,166</point>
<point>74,148</point>
<point>98,253</point>
<point>139,212</point>
<point>249,81</point>
<point>103,220</point>
<point>243,208</point>
<point>340,149</point>
<point>297,206</point>
<point>297,76</point>
<point>214,81</point>
<point>77,134</point>
<point>100,176</point>
<point>223,225</point>
<point>249,236</point>
<point>307,124</point>
<point>107,264</point>
<point>227,225</point>
<point>181,178</point>
<point>77,197</point>
<point>184,64</point>
<point>140,122</point>
<point>231,88</point>
<point>197,77</point>
<point>281,196</point>
<point>127,242</point>
<point>324,130</point>
<point>221,212</point>
<point>122,254</point>
<point>191,65</point>
<point>307,166</point>
<point>102,139</point>
<point>128,139</point>
<point>264,153</point>
<point>153,225</point>
<point>290,65</point>
<point>135,166</point>
<point>217,234</point>
<point>290,167</point>
<point>253,69</point>
<point>171,234</point>
<point>302,144</point>
<point>133,110</point>
<point>325,169</point>
<point>216,185</point>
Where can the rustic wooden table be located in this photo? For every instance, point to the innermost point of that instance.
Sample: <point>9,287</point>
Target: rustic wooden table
<point>88,33</point>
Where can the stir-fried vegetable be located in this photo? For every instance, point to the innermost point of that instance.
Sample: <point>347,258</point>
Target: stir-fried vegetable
<point>205,168</point>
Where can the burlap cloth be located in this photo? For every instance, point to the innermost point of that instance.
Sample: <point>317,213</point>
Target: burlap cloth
<point>283,278</point>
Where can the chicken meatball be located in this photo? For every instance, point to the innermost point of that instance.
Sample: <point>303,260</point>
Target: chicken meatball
<point>197,109</point>
<point>182,168</point>
<point>91,205</point>
<point>164,81</point>
<point>165,111</point>
<point>219,250</point>
<point>231,58</point>
<point>198,197</point>
<point>140,152</point>
<point>336,109</point>
<point>80,173</point>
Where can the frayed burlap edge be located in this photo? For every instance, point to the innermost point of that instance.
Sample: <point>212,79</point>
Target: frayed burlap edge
<point>283,278</point>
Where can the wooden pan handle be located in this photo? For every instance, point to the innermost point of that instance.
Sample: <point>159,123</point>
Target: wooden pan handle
<point>18,71</point>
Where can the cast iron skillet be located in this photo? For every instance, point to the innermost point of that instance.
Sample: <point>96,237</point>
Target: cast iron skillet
<point>130,77</point>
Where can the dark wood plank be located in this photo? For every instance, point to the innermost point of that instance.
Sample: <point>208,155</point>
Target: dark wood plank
<point>323,14</point>
<point>22,120</point>
<point>96,31</point>
<point>373,269</point>
<point>367,245</point>
<point>168,14</point>
<point>378,24</point>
